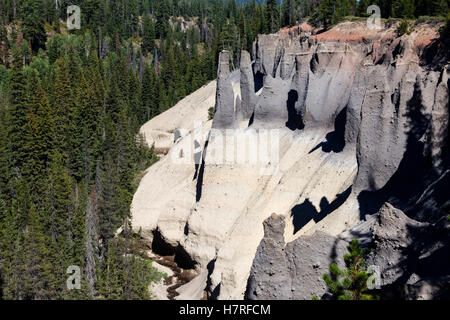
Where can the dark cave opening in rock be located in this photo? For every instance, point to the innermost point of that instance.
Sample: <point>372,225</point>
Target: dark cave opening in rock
<point>295,120</point>
<point>259,80</point>
<point>164,249</point>
<point>160,246</point>
<point>335,141</point>
<point>183,259</point>
<point>314,63</point>
<point>303,213</point>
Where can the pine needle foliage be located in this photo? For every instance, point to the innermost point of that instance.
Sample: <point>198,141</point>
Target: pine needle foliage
<point>350,283</point>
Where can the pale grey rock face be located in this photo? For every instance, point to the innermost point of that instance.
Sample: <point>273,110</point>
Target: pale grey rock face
<point>292,271</point>
<point>247,88</point>
<point>330,82</point>
<point>378,85</point>
<point>383,105</point>
<point>440,121</point>
<point>271,109</point>
<point>392,107</point>
<point>403,103</point>
<point>267,60</point>
<point>357,95</point>
<point>300,82</point>
<point>224,117</point>
<point>371,104</point>
<point>392,234</point>
<point>380,115</point>
<point>413,257</point>
<point>270,276</point>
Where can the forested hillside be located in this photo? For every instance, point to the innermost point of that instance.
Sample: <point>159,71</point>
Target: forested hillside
<point>71,105</point>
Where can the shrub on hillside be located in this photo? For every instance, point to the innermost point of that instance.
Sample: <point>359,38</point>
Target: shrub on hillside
<point>403,28</point>
<point>211,113</point>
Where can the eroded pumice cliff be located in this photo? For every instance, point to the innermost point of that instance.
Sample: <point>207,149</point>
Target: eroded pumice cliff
<point>358,113</point>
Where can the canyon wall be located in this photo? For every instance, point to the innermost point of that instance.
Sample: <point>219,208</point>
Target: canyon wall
<point>320,129</point>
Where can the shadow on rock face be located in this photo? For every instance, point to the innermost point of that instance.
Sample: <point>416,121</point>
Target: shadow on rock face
<point>335,141</point>
<point>199,172</point>
<point>259,81</point>
<point>436,54</point>
<point>414,172</point>
<point>295,120</point>
<point>414,257</point>
<point>400,187</point>
<point>303,213</point>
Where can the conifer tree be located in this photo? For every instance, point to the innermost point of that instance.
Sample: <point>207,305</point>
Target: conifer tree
<point>162,19</point>
<point>148,95</point>
<point>134,100</point>
<point>17,113</point>
<point>4,168</point>
<point>288,12</point>
<point>36,268</point>
<point>92,10</point>
<point>77,248</point>
<point>11,241</point>
<point>148,39</point>
<point>361,9</point>
<point>326,12</point>
<point>38,142</point>
<point>272,16</point>
<point>112,277</point>
<point>63,110</point>
<point>109,211</point>
<point>33,23</point>
<point>403,8</point>
<point>87,126</point>
<point>350,284</point>
<point>59,206</point>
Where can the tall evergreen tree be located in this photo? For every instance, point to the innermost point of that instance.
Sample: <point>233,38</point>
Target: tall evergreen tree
<point>327,10</point>
<point>272,16</point>
<point>148,39</point>
<point>162,19</point>
<point>34,23</point>
<point>59,207</point>
<point>17,113</point>
<point>403,8</point>
<point>63,110</point>
<point>148,95</point>
<point>4,166</point>
<point>38,141</point>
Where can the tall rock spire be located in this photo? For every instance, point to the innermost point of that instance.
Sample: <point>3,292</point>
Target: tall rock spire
<point>224,117</point>
<point>248,95</point>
